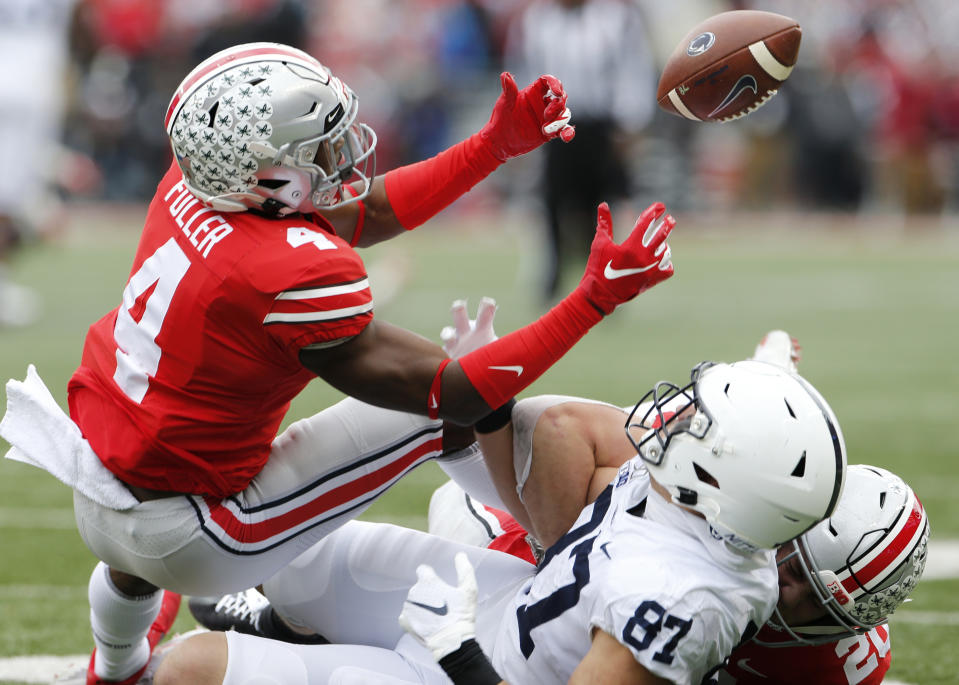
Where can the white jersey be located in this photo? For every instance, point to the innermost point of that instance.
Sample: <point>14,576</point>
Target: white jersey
<point>648,573</point>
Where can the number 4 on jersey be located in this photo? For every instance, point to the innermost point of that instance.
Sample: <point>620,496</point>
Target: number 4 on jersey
<point>300,235</point>
<point>146,300</point>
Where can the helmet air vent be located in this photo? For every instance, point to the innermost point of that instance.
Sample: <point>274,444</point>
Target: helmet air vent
<point>832,530</point>
<point>705,476</point>
<point>800,469</point>
<point>273,183</point>
<point>789,408</point>
<point>882,499</point>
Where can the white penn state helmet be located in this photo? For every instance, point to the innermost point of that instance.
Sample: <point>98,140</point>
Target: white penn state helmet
<point>753,448</point>
<point>865,559</point>
<point>266,126</point>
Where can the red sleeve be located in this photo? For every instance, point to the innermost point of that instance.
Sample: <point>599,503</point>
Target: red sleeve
<point>419,191</point>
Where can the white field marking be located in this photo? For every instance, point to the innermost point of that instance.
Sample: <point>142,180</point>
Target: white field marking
<point>40,669</point>
<point>943,563</point>
<point>926,618</point>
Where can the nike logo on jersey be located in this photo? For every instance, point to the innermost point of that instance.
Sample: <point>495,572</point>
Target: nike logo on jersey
<point>439,611</point>
<point>744,665</point>
<point>612,274</point>
<point>518,370</point>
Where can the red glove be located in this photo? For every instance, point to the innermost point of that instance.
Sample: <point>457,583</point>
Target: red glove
<point>618,273</point>
<point>522,120</point>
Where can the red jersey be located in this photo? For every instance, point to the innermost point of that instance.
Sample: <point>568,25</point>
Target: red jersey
<point>857,660</point>
<point>184,385</point>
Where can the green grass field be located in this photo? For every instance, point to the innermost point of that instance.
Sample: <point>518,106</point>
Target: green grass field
<point>876,310</point>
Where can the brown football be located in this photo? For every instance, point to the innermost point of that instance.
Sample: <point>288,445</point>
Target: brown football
<point>729,65</point>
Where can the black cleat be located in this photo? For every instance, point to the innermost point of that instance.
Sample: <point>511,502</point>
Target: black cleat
<point>247,612</point>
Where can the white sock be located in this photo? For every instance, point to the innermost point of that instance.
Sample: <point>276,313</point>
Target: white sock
<point>467,468</point>
<point>120,625</point>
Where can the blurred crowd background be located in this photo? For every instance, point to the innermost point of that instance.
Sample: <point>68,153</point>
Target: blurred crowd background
<point>868,123</point>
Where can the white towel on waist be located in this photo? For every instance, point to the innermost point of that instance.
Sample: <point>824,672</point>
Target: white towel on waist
<point>44,436</point>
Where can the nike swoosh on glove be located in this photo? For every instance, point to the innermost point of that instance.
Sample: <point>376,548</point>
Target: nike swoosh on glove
<point>522,120</point>
<point>439,615</point>
<point>617,273</point>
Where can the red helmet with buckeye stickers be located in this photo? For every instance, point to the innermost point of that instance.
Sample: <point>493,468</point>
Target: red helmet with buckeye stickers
<point>266,126</point>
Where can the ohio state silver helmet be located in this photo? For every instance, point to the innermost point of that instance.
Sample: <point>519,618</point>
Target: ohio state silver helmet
<point>266,126</point>
<point>865,559</point>
<point>756,450</point>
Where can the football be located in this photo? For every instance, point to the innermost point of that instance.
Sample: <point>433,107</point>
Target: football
<point>729,65</point>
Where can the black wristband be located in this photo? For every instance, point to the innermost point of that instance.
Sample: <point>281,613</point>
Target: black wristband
<point>496,419</point>
<point>469,666</point>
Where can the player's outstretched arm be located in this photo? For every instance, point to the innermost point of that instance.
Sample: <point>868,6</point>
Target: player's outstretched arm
<point>406,197</point>
<point>390,367</point>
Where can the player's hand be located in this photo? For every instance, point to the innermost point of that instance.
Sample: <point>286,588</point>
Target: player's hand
<point>618,273</point>
<point>440,616</point>
<point>466,334</point>
<point>522,120</point>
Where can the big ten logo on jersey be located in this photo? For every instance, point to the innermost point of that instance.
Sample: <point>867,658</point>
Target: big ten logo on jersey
<point>186,210</point>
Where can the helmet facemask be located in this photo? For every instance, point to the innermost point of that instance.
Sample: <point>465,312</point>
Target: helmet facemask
<point>327,162</point>
<point>663,413</point>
